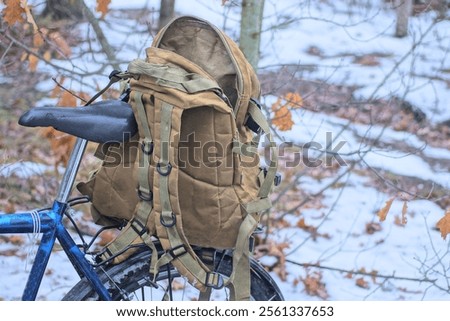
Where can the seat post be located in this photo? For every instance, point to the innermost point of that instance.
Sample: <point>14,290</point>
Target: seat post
<point>71,170</point>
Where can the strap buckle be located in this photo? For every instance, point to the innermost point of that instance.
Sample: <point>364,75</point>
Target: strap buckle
<point>208,256</point>
<point>250,122</point>
<point>214,280</point>
<point>177,251</point>
<point>277,178</point>
<point>138,227</point>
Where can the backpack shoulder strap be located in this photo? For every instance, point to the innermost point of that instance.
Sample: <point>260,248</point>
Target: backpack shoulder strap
<point>169,226</point>
<point>239,281</point>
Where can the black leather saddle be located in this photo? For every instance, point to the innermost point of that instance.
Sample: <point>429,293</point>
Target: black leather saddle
<point>101,122</point>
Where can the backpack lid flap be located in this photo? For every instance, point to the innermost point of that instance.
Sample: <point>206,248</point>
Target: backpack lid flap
<point>204,44</point>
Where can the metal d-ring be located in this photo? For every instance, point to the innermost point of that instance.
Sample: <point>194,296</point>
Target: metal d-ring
<point>147,152</point>
<point>169,169</point>
<point>170,224</point>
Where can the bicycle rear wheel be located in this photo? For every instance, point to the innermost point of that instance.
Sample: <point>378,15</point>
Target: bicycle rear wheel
<point>130,280</point>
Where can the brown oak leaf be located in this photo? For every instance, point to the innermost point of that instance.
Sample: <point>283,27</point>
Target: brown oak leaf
<point>362,283</point>
<point>102,7</point>
<point>444,224</point>
<point>13,12</point>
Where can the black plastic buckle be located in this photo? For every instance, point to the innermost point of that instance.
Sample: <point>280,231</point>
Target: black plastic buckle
<point>140,229</point>
<point>174,253</point>
<point>250,122</point>
<point>98,258</point>
<point>147,152</point>
<point>170,224</point>
<point>208,256</point>
<point>276,179</point>
<point>125,96</point>
<point>211,277</point>
<point>148,197</point>
<point>251,243</point>
<point>169,169</point>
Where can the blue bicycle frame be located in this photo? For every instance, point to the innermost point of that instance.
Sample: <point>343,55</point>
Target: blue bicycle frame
<point>48,222</point>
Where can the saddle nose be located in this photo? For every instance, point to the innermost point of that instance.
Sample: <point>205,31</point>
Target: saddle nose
<point>101,122</point>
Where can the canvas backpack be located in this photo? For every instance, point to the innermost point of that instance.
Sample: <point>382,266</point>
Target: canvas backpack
<point>193,177</point>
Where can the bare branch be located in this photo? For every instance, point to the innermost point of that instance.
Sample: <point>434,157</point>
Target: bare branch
<point>68,90</point>
<point>371,274</point>
<point>108,50</point>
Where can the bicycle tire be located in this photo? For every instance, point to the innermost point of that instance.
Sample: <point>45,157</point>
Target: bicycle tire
<point>128,279</point>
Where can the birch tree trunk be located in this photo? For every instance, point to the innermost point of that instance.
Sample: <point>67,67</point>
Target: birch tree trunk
<point>166,12</point>
<point>251,23</point>
<point>404,11</point>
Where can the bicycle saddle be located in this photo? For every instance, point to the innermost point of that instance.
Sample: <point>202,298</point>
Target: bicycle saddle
<point>101,122</point>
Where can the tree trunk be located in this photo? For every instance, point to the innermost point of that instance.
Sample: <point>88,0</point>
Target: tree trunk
<point>442,8</point>
<point>251,23</point>
<point>166,12</point>
<point>404,11</point>
<point>62,9</point>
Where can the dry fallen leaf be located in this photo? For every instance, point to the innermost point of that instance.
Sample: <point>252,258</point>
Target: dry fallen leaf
<point>281,108</point>
<point>61,143</point>
<point>293,100</point>
<point>382,213</point>
<point>58,40</point>
<point>16,240</point>
<point>398,220</point>
<point>38,40</point>
<point>282,118</point>
<point>372,228</point>
<point>404,212</point>
<point>13,12</point>
<point>32,62</point>
<point>314,285</point>
<point>362,283</point>
<point>102,7</point>
<point>275,250</point>
<point>444,224</point>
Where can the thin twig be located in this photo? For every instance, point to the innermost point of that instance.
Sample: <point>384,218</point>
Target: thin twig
<point>311,196</point>
<point>371,274</point>
<point>68,90</point>
<point>48,62</point>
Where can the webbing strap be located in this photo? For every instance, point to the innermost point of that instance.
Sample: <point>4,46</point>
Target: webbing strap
<point>239,281</point>
<point>173,77</point>
<point>259,118</point>
<point>136,229</point>
<point>142,115</point>
<point>168,219</point>
<point>146,142</point>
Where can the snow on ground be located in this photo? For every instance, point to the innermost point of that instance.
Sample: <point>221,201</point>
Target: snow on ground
<point>412,68</point>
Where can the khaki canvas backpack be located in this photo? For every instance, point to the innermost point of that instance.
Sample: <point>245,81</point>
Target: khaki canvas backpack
<point>193,176</point>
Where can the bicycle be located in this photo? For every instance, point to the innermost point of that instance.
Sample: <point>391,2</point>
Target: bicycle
<point>130,279</point>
